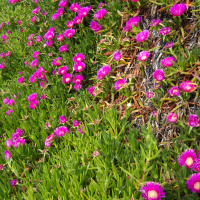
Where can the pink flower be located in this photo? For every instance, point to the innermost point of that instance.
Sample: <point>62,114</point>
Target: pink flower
<point>76,123</point>
<point>77,86</point>
<point>7,154</point>
<point>80,131</point>
<point>42,97</point>
<point>96,153</point>
<point>33,19</point>
<point>103,72</point>
<point>34,63</point>
<point>1,167</point>
<point>30,43</point>
<point>35,11</point>
<point>2,66</point>
<point>75,7</point>
<point>32,79</point>
<point>196,165</point>
<point>49,43</point>
<point>158,75</point>
<point>155,22</point>
<point>22,30</point>
<point>69,33</point>
<point>91,90</point>
<point>38,39</point>
<point>60,37</point>
<point>18,141</point>
<point>60,11</point>
<point>169,45</point>
<point>154,113</point>
<point>79,66</point>
<point>49,35</point>
<point>143,55</point>
<point>187,157</point>
<point>30,37</point>
<point>3,37</point>
<point>174,91</point>
<point>77,79</point>
<point>11,102</point>
<point>9,143</point>
<point>70,24</point>
<point>95,26</point>
<point>8,32</point>
<point>6,100</point>
<point>77,20</point>
<point>60,131</point>
<point>117,55</point>
<point>56,61</point>
<point>49,140</point>
<point>62,119</point>
<point>32,97</point>
<point>101,4</point>
<point>8,53</point>
<point>47,125</point>
<point>63,3</point>
<point>62,70</point>
<point>100,14</point>
<point>2,54</point>
<point>20,80</point>
<point>55,17</point>
<point>13,182</point>
<point>193,183</point>
<point>142,36</point>
<point>193,120</point>
<point>26,63</point>
<point>152,191</point>
<point>66,78</point>
<point>167,62</point>
<point>9,112</point>
<point>19,22</point>
<point>133,21</point>
<point>178,9</point>
<point>83,12</point>
<point>165,31</point>
<point>36,54</point>
<point>187,86</point>
<point>78,57</point>
<point>118,84</point>
<point>150,95</point>
<point>33,104</point>
<point>63,48</point>
<point>171,117</point>
<point>134,0</point>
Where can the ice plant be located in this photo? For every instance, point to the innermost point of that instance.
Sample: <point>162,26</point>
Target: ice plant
<point>75,7</point>
<point>133,21</point>
<point>155,22</point>
<point>6,100</point>
<point>187,157</point>
<point>150,95</point>
<point>178,9</point>
<point>193,120</point>
<point>62,119</point>
<point>167,62</point>
<point>32,97</point>
<point>34,63</point>
<point>60,131</point>
<point>143,55</point>
<point>95,26</point>
<point>63,3</point>
<point>77,79</point>
<point>158,75</point>
<point>78,57</point>
<point>165,31</point>
<point>70,24</point>
<point>100,14</point>
<point>101,4</point>
<point>83,12</point>
<point>193,183</point>
<point>171,117</point>
<point>42,97</point>
<point>119,83</point>
<point>169,45</point>
<point>33,104</point>
<point>49,140</point>
<point>142,36</point>
<point>66,78</point>
<point>117,55</point>
<point>56,61</point>
<point>103,72</point>
<point>63,48</point>
<point>20,80</point>
<point>174,91</point>
<point>77,86</point>
<point>7,154</point>
<point>60,37</point>
<point>9,143</point>
<point>62,70</point>
<point>196,165</point>
<point>69,33</point>
<point>96,153</point>
<point>77,20</point>
<point>91,90</point>
<point>79,67</point>
<point>152,191</point>
<point>13,182</point>
<point>76,123</point>
<point>36,54</point>
<point>187,86</point>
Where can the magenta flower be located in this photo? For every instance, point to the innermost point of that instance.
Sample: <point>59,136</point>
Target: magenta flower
<point>49,43</point>
<point>60,131</point>
<point>158,75</point>
<point>119,83</point>
<point>154,113</point>
<point>55,17</point>
<point>193,120</point>
<point>157,86</point>
<point>7,154</point>
<point>33,19</point>
<point>169,45</point>
<point>77,20</point>
<point>19,22</point>
<point>63,48</point>
<point>155,22</point>
<point>47,125</point>
<point>34,63</point>
<point>42,97</point>
<point>76,123</point>
<point>79,66</point>
<point>35,11</point>
<point>20,80</point>
<point>133,21</point>
<point>2,54</point>
<point>70,24</point>
<point>80,131</point>
<point>62,70</point>
<point>171,117</point>
<point>60,37</point>
<point>143,55</point>
<point>75,7</point>
<point>1,167</point>
<point>49,35</point>
<point>91,90</point>
<point>193,183</point>
<point>49,140</point>
<point>60,11</point>
<point>69,33</point>
<point>36,54</point>
<point>9,112</point>
<point>178,9</point>
<point>165,31</point>
<point>152,191</point>
<point>13,182</point>
<point>150,95</point>
<point>2,66</point>
<point>96,153</point>
<point>103,72</point>
<point>83,12</point>
<point>32,97</point>
<point>117,55</point>
<point>134,0</point>
<point>187,157</point>
<point>3,37</point>
<point>100,14</point>
<point>187,86</point>
<point>95,26</point>
<point>63,3</point>
<point>142,36</point>
<point>77,86</point>
<point>18,141</point>
<point>167,62</point>
<point>30,37</point>
<point>66,78</point>
<point>6,100</point>
<point>33,104</point>
<point>77,79</point>
<point>78,57</point>
<point>174,91</point>
<point>8,32</point>
<point>196,165</point>
<point>101,4</point>
<point>11,102</point>
<point>56,61</point>
<point>62,119</point>
<point>8,53</point>
<point>9,143</point>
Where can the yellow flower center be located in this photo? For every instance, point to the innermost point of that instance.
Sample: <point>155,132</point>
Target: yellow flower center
<point>78,59</point>
<point>67,79</point>
<point>79,67</point>
<point>152,194</point>
<point>143,57</point>
<point>188,87</point>
<point>189,161</point>
<point>197,185</point>
<point>63,71</point>
<point>173,118</point>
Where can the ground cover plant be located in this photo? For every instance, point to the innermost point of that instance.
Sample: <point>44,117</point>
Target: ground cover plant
<point>100,100</point>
